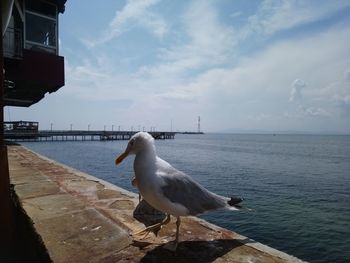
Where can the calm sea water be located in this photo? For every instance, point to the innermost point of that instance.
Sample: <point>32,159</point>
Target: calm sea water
<point>298,185</point>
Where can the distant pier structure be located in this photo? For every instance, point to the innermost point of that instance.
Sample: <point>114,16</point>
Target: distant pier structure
<point>29,131</point>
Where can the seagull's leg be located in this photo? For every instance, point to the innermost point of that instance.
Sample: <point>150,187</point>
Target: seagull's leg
<point>172,246</point>
<point>153,227</point>
<point>139,197</point>
<point>178,222</point>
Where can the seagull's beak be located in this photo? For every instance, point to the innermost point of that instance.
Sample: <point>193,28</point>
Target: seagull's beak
<point>121,157</point>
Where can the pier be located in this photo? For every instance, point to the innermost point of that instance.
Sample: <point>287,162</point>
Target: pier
<point>29,131</point>
<point>79,135</point>
<point>20,131</point>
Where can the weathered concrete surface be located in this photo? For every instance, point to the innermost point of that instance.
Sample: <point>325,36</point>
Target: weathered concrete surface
<point>81,218</point>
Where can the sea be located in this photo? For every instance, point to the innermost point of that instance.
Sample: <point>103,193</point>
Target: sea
<point>297,187</point>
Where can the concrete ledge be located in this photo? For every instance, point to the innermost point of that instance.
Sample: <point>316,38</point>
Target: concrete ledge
<point>81,218</point>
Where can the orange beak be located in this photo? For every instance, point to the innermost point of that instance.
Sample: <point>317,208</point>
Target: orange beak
<point>121,157</point>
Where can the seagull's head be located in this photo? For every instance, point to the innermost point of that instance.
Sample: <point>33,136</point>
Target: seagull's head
<point>139,142</point>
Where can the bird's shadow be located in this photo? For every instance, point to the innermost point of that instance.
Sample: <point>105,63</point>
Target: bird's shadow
<point>194,251</point>
<point>147,215</point>
<point>187,251</point>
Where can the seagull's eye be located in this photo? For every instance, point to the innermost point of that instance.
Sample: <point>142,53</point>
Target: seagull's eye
<point>131,143</point>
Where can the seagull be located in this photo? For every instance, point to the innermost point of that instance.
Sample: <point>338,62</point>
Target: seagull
<point>168,189</point>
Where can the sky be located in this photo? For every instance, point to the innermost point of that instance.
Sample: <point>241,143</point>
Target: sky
<point>240,65</point>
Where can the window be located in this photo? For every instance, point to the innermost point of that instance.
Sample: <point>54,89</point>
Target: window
<point>41,28</point>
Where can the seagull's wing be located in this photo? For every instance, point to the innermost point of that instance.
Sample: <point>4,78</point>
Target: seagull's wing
<point>182,189</point>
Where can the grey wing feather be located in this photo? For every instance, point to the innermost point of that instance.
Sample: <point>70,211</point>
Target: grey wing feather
<point>182,189</point>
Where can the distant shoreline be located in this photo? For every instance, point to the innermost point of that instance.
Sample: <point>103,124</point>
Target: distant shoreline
<point>276,133</point>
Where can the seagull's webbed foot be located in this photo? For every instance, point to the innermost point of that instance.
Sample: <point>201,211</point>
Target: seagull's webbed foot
<point>147,230</point>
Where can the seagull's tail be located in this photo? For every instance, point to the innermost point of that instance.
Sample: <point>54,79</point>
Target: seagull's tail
<point>234,203</point>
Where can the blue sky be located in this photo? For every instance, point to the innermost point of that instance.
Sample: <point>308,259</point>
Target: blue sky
<point>240,65</point>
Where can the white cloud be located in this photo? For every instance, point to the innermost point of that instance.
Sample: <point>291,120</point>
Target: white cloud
<point>236,14</point>
<point>297,86</point>
<point>134,13</point>
<point>262,79</point>
<point>210,43</point>
<point>296,97</point>
<point>155,23</point>
<point>274,16</point>
<point>259,85</point>
<point>311,111</point>
<point>347,74</point>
